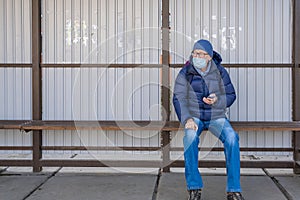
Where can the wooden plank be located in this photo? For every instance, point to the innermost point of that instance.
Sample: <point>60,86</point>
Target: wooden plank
<point>93,125</point>
<point>139,125</point>
<point>12,124</point>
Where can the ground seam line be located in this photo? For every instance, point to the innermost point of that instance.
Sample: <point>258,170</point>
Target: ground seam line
<point>155,191</point>
<point>280,187</point>
<point>47,179</point>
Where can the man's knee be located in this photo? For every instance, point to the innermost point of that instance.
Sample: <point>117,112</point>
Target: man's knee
<point>232,138</point>
<point>190,136</point>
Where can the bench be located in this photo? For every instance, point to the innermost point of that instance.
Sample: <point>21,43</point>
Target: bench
<point>34,125</point>
<point>163,127</point>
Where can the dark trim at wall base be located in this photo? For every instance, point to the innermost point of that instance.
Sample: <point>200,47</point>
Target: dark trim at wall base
<point>143,163</point>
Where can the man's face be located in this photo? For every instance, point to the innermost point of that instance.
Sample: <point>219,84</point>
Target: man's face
<point>201,54</point>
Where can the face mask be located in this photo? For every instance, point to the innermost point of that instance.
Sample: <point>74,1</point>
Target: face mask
<point>199,62</point>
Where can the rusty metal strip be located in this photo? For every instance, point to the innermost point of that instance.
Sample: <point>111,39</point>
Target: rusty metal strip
<point>128,65</point>
<point>101,65</point>
<point>15,65</point>
<point>248,65</point>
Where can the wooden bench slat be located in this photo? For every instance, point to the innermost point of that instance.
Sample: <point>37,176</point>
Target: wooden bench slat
<point>12,124</point>
<point>139,125</point>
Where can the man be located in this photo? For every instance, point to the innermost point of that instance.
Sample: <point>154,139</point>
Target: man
<point>202,93</point>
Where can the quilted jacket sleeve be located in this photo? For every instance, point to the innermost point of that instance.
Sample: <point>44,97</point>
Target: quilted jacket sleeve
<point>180,97</point>
<point>227,99</point>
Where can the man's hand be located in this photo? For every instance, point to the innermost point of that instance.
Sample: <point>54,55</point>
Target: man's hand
<point>211,99</point>
<point>190,124</point>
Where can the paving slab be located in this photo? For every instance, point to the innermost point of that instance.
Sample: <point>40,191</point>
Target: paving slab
<point>291,184</point>
<point>172,186</point>
<point>18,187</point>
<point>97,186</point>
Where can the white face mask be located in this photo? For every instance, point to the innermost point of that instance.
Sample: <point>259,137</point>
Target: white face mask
<point>199,62</point>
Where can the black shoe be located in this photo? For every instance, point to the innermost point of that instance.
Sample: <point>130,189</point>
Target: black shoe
<point>194,195</point>
<point>235,196</point>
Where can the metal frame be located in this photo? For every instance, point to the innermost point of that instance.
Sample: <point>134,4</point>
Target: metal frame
<point>296,82</point>
<point>165,91</point>
<point>36,83</point>
<point>37,162</point>
<point>48,65</point>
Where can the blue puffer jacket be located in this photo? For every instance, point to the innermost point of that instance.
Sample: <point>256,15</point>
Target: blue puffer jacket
<point>191,87</point>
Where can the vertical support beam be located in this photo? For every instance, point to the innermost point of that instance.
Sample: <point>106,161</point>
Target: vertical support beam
<point>36,83</point>
<point>296,82</point>
<point>165,90</point>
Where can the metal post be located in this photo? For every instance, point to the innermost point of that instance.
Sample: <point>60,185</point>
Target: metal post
<point>296,82</point>
<point>36,83</point>
<point>165,90</point>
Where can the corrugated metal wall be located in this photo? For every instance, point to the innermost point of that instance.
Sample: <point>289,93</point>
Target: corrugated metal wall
<point>92,31</point>
<point>128,31</point>
<point>102,32</point>
<point>242,31</point>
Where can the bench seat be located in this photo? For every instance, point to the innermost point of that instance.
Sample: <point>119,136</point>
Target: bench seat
<point>35,125</point>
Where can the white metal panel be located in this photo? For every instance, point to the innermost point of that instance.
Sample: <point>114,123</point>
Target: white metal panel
<point>102,94</point>
<point>90,31</point>
<point>15,37</point>
<point>257,31</point>
<point>15,93</point>
<point>15,41</point>
<point>15,100</point>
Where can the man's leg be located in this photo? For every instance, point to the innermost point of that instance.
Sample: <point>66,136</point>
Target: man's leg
<point>191,142</point>
<point>222,129</point>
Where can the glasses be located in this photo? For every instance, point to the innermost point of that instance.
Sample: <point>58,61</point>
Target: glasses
<point>199,55</point>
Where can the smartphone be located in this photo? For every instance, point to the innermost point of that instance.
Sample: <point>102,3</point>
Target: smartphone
<point>211,96</point>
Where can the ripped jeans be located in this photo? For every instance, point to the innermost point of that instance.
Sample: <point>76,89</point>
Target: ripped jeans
<point>222,129</point>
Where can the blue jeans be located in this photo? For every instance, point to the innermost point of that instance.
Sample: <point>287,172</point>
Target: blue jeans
<point>222,129</point>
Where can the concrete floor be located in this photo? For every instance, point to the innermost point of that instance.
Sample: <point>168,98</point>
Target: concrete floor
<point>113,184</point>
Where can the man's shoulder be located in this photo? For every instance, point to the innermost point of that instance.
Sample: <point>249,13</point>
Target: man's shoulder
<point>221,68</point>
<point>186,68</point>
